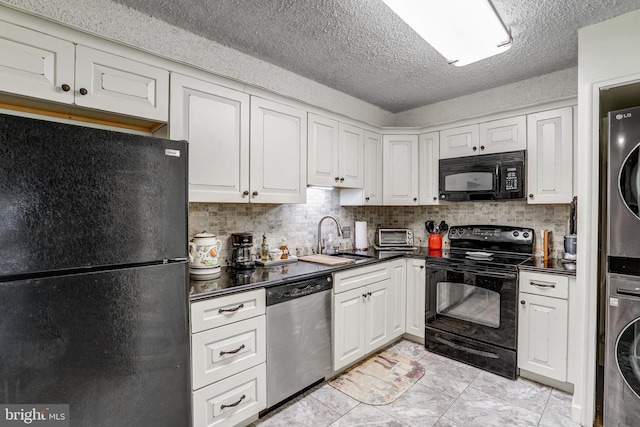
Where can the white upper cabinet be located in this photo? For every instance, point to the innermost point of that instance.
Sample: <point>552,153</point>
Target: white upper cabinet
<point>429,149</point>
<point>371,192</point>
<point>215,121</point>
<point>278,161</point>
<point>36,65</point>
<point>459,142</point>
<point>550,156</point>
<point>112,83</point>
<point>351,162</point>
<point>400,170</point>
<point>40,66</point>
<point>323,140</point>
<point>504,135</point>
<point>335,153</point>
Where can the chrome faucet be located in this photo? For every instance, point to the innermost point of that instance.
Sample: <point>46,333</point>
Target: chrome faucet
<point>319,250</point>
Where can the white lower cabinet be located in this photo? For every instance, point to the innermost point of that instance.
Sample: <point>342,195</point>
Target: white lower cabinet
<point>397,298</point>
<point>232,400</point>
<point>543,324</point>
<point>228,354</point>
<point>416,287</point>
<point>363,320</point>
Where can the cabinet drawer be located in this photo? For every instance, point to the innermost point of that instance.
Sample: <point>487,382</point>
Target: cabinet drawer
<point>221,352</point>
<point>228,309</point>
<point>231,401</point>
<point>357,277</point>
<point>550,285</point>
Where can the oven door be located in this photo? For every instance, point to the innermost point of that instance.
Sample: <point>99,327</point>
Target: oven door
<point>478,305</point>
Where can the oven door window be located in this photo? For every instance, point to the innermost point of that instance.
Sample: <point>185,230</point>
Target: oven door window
<point>629,184</point>
<point>469,303</point>
<point>469,181</point>
<point>628,355</point>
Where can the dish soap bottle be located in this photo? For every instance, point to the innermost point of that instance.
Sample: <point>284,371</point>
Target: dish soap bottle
<point>264,252</point>
<point>284,248</point>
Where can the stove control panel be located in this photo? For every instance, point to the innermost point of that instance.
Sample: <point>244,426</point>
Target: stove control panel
<point>491,233</point>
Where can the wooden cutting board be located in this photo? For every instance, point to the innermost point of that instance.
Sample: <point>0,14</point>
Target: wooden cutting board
<point>326,259</point>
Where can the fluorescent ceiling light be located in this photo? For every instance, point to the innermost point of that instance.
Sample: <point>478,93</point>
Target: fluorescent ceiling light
<point>463,31</point>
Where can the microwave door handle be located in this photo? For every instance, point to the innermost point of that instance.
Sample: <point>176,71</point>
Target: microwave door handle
<point>496,177</point>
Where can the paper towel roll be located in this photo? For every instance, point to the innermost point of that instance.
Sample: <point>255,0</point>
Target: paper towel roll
<point>361,236</point>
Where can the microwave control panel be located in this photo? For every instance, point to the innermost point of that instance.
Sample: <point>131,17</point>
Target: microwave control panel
<point>511,179</point>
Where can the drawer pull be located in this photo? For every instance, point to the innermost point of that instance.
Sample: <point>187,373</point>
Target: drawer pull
<point>233,404</point>
<point>542,285</point>
<point>222,353</point>
<point>230,310</point>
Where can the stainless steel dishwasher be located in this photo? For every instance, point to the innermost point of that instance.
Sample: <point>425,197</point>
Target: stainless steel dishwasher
<point>298,336</point>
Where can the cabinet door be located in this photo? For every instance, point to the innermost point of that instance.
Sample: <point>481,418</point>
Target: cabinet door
<point>500,136</point>
<point>397,298</point>
<point>542,336</point>
<point>348,327</point>
<point>377,315</point>
<point>416,287</point>
<point>215,121</point>
<point>429,150</point>
<point>351,162</point>
<point>550,156</point>
<point>372,169</point>
<point>278,161</point>
<point>371,193</point>
<point>113,83</point>
<point>35,64</point>
<point>323,140</point>
<point>400,170</point>
<point>459,142</point>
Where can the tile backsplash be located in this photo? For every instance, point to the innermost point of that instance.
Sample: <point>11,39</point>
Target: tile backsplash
<point>299,223</point>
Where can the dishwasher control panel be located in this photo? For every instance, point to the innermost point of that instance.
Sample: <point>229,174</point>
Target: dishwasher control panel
<point>298,289</point>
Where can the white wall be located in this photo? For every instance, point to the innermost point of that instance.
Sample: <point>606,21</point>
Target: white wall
<point>542,89</point>
<point>113,21</point>
<point>607,56</point>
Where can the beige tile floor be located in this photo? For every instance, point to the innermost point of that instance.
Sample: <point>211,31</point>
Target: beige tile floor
<point>451,394</point>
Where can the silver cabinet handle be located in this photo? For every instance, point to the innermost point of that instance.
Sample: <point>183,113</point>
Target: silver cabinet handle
<point>231,405</point>
<point>222,353</point>
<point>542,285</point>
<point>230,310</point>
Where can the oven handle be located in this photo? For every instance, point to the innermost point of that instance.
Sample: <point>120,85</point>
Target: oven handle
<point>498,275</point>
<point>467,349</point>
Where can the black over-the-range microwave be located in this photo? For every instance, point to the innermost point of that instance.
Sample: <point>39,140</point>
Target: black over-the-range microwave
<point>485,177</point>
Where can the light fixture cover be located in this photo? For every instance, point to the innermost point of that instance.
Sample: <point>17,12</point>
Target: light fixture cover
<point>463,31</point>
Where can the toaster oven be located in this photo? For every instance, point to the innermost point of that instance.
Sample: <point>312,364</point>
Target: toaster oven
<point>394,238</point>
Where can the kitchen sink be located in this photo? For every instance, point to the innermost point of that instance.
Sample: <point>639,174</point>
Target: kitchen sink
<point>350,255</point>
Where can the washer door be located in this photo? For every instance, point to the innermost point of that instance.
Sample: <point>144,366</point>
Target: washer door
<point>628,355</point>
<point>629,182</point>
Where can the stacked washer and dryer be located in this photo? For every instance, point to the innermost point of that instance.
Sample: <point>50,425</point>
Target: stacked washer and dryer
<point>622,359</point>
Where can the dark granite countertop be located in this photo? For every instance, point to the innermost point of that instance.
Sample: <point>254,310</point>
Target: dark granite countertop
<point>231,281</point>
<point>552,266</point>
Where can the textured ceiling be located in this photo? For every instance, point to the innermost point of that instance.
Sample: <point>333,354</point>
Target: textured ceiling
<point>360,47</point>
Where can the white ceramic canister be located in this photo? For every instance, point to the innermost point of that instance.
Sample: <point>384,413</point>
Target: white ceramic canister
<point>204,251</point>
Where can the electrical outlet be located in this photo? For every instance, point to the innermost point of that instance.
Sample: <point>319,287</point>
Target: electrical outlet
<point>346,232</point>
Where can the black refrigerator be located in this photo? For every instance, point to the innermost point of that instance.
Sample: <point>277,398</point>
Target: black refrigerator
<point>93,274</point>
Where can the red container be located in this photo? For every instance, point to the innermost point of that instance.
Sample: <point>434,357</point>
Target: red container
<point>435,241</point>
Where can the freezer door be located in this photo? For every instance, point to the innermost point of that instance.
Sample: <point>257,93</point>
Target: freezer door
<point>73,197</point>
<point>113,345</point>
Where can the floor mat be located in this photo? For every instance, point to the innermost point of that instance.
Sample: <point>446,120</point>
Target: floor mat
<point>380,379</point>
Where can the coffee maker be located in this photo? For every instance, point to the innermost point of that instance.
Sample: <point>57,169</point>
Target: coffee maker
<point>241,251</point>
